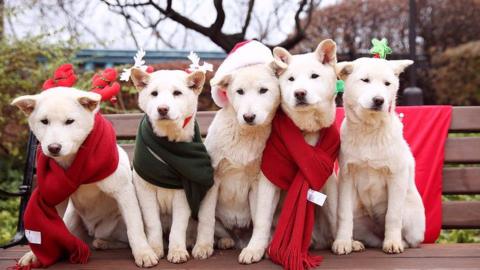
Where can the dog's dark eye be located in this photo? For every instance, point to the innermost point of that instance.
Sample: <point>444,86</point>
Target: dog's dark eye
<point>263,90</point>
<point>291,79</point>
<point>177,93</point>
<point>154,93</point>
<point>314,76</point>
<point>240,91</point>
<point>69,121</point>
<point>44,121</point>
<point>366,80</point>
<point>387,83</point>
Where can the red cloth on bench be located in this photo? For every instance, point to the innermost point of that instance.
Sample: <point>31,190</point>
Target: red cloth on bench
<point>426,130</point>
<point>48,236</point>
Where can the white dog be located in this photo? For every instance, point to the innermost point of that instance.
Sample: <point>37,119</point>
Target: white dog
<point>246,88</point>
<point>307,87</point>
<point>378,199</point>
<point>169,97</point>
<point>61,118</point>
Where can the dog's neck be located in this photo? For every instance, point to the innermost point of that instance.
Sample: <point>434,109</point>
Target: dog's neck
<point>313,120</point>
<point>175,132</point>
<point>240,144</point>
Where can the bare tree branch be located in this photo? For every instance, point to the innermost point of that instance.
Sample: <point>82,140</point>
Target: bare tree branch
<point>251,3</point>
<point>129,26</point>
<point>214,31</point>
<point>299,33</point>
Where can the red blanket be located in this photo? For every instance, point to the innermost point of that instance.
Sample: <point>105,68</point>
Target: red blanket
<point>48,236</point>
<point>293,165</point>
<point>425,129</point>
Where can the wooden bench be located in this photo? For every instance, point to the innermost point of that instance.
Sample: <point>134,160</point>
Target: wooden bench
<point>461,176</point>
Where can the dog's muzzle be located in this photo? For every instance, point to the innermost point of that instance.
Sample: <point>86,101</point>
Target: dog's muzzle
<point>300,98</point>
<point>377,103</point>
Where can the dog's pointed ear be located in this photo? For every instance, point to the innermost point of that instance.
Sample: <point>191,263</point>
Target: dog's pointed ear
<point>25,103</point>
<point>219,86</point>
<point>90,101</point>
<point>196,80</point>
<point>343,69</point>
<point>278,67</point>
<point>282,55</point>
<point>399,65</point>
<point>140,78</point>
<point>326,52</point>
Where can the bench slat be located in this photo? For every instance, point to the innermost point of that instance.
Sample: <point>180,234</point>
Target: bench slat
<point>461,215</point>
<point>462,150</point>
<point>428,256</point>
<point>459,180</point>
<point>465,119</point>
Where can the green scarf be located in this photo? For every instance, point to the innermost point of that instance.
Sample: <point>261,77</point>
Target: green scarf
<point>182,165</point>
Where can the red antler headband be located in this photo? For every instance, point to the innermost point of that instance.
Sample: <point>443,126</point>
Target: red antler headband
<point>104,83</point>
<point>63,76</point>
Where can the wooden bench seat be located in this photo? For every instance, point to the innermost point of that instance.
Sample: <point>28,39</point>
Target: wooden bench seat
<point>429,256</point>
<point>461,175</point>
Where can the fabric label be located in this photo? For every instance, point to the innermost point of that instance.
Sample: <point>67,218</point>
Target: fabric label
<point>316,197</point>
<point>33,237</point>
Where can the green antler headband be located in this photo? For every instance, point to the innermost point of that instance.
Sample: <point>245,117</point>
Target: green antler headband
<point>380,48</point>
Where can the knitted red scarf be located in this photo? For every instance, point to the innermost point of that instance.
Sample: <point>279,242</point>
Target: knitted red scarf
<point>295,166</point>
<point>49,238</point>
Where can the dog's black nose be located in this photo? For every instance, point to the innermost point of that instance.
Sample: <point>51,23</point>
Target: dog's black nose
<point>378,101</point>
<point>54,148</point>
<point>163,111</point>
<point>249,117</point>
<point>300,94</point>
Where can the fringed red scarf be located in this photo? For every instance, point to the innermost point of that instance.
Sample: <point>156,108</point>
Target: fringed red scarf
<point>48,236</point>
<point>295,166</point>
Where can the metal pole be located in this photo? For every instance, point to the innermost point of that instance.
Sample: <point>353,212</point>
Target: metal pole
<point>412,95</point>
<point>412,34</point>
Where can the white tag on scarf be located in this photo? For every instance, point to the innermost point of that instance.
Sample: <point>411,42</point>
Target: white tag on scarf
<point>33,237</point>
<point>316,197</point>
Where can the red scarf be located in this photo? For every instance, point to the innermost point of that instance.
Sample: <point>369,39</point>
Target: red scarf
<point>96,159</point>
<point>293,165</point>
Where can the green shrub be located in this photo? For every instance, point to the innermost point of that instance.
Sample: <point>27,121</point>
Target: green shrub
<point>455,77</point>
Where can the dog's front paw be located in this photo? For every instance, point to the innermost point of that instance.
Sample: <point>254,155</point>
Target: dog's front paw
<point>202,251</point>
<point>226,243</point>
<point>392,246</point>
<point>177,255</point>
<point>357,246</point>
<point>341,247</point>
<point>146,257</point>
<point>158,251</point>
<point>27,259</point>
<point>251,255</point>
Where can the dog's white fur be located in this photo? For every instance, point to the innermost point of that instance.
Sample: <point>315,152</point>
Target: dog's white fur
<point>316,112</point>
<point>161,206</point>
<point>236,148</point>
<point>378,199</point>
<point>95,210</point>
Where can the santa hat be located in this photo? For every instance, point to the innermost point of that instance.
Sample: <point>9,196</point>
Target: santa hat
<point>244,54</point>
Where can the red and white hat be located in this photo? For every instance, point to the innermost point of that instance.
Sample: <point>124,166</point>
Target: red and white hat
<point>244,54</point>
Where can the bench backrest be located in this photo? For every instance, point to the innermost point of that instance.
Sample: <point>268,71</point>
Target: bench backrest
<point>461,173</point>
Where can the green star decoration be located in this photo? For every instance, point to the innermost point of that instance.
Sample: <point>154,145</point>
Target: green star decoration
<point>340,86</point>
<point>380,48</point>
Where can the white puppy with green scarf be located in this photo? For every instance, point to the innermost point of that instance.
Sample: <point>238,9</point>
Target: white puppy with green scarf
<point>172,170</point>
